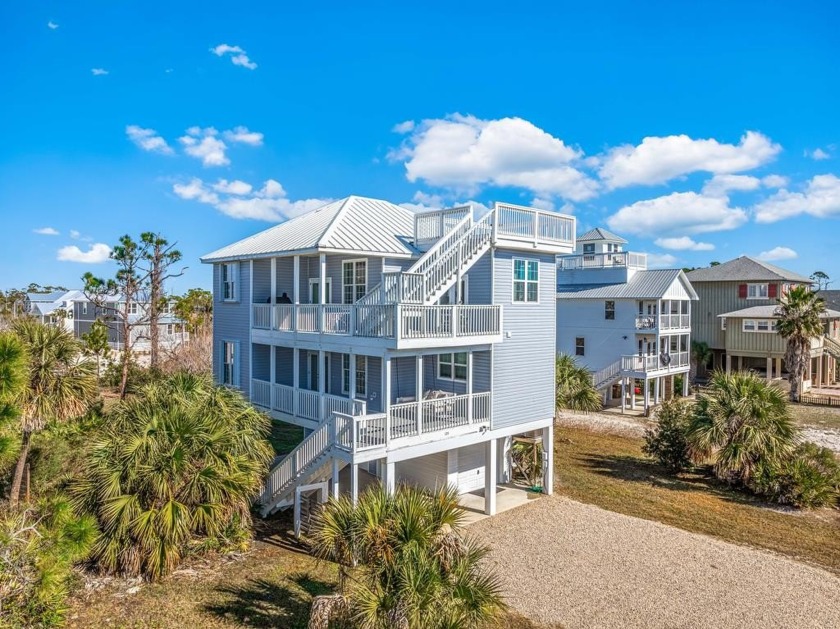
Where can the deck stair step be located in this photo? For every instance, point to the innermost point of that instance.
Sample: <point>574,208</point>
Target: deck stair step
<point>607,375</point>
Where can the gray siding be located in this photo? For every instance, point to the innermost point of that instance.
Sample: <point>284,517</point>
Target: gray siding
<point>482,369</point>
<point>262,281</point>
<point>284,368</point>
<point>261,363</point>
<point>392,265</point>
<point>605,340</point>
<point>374,384</point>
<point>404,377</point>
<point>231,322</point>
<point>426,471</point>
<point>523,363</point>
<point>480,282</point>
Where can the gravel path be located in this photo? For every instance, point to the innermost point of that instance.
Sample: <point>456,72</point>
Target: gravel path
<point>565,562</point>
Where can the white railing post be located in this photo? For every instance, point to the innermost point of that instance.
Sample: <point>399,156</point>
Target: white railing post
<point>452,321</point>
<point>469,386</point>
<point>397,321</point>
<point>419,392</point>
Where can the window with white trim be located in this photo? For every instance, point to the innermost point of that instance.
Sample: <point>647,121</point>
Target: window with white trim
<point>763,326</point>
<point>361,375</point>
<point>757,291</point>
<point>230,284</point>
<point>609,310</point>
<point>354,279</point>
<point>452,366</point>
<point>749,325</point>
<point>133,308</point>
<point>84,307</point>
<point>229,368</point>
<point>580,346</point>
<point>526,276</point>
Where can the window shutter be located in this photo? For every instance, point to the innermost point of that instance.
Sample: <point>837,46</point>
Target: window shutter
<point>771,290</point>
<point>742,291</point>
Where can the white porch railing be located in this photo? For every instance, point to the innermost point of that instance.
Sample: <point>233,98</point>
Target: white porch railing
<point>620,259</point>
<point>281,397</point>
<point>663,322</point>
<point>606,375</point>
<point>380,320</point>
<point>656,362</point>
<point>364,432</point>
<point>431,226</point>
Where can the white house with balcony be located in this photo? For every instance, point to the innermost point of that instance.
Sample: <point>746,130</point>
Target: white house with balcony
<point>630,326</point>
<point>411,347</point>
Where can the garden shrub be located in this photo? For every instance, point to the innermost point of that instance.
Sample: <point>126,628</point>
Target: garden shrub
<point>809,478</point>
<point>666,442</point>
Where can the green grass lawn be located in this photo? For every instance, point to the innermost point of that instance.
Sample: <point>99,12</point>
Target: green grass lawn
<point>611,472</point>
<point>284,437</point>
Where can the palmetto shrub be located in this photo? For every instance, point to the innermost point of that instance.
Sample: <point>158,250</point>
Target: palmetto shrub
<point>739,423</point>
<point>809,478</point>
<point>174,467</point>
<point>666,442</point>
<point>404,563</point>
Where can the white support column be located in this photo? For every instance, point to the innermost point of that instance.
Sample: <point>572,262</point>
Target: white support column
<point>819,380</point>
<point>728,363</point>
<point>632,382</point>
<point>386,396</point>
<point>647,396</point>
<point>390,477</point>
<point>351,391</point>
<point>295,379</point>
<point>469,384</point>
<point>322,279</point>
<point>656,387</point>
<point>769,369</point>
<point>272,373</point>
<point>685,385</point>
<point>490,477</point>
<point>418,388</point>
<point>623,394</point>
<point>296,280</point>
<point>354,483</point>
<point>273,281</point>
<point>322,382</point>
<point>334,480</point>
<point>548,458</point>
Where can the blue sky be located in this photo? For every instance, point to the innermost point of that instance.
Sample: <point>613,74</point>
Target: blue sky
<point>699,132</point>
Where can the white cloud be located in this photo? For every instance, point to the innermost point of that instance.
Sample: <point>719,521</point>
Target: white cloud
<point>148,139</point>
<point>232,187</point>
<point>683,243</point>
<point>237,56</point>
<point>204,144</point>
<point>52,25</point>
<point>98,71</point>
<point>424,202</point>
<point>774,181</point>
<point>46,231</point>
<point>680,212</point>
<point>821,198</point>
<point>243,136</point>
<point>818,154</point>
<point>465,153</point>
<point>75,234</point>
<point>269,203</point>
<point>778,253</point>
<point>95,254</point>
<point>660,260</point>
<point>659,159</point>
<point>404,127</point>
<point>543,204</point>
<point>721,184</point>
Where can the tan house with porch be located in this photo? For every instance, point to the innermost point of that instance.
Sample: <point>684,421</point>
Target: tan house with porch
<point>736,317</point>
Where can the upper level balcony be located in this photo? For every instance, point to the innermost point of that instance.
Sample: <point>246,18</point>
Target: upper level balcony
<point>399,326</point>
<point>655,364</point>
<point>663,322</point>
<point>621,259</point>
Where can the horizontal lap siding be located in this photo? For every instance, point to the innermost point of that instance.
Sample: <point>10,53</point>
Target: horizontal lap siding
<point>374,383</point>
<point>336,367</point>
<point>262,281</point>
<point>284,367</point>
<point>523,364</point>
<point>286,280</point>
<point>262,361</point>
<point>404,378</point>
<point>231,322</point>
<point>426,471</point>
<point>480,281</point>
<point>605,340</point>
<point>310,269</point>
<point>482,367</point>
<point>393,265</point>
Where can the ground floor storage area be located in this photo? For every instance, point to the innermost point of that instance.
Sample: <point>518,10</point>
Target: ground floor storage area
<point>460,467</point>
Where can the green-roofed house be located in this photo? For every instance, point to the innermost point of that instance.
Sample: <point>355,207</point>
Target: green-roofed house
<point>736,316</point>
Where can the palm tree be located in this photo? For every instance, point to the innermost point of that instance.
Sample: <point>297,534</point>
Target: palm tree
<point>700,355</point>
<point>60,384</point>
<point>12,374</point>
<point>404,562</point>
<point>739,423</point>
<point>574,388</point>
<point>799,321</point>
<point>180,461</point>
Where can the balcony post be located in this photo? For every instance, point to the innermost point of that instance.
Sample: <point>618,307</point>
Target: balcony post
<point>490,474</point>
<point>295,380</point>
<point>322,383</point>
<point>469,384</point>
<point>322,290</point>
<point>272,366</point>
<point>419,390</point>
<point>296,297</point>
<point>386,396</point>
<point>453,323</point>
<point>273,298</point>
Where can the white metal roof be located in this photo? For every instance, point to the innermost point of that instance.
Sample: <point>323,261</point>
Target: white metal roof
<point>356,224</point>
<point>769,312</point>
<point>599,233</point>
<point>642,285</point>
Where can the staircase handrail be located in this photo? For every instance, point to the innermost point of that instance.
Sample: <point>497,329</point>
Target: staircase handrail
<point>290,467</point>
<point>603,376</point>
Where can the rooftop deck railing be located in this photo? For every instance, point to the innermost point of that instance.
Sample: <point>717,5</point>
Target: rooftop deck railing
<point>523,223</point>
<point>621,259</point>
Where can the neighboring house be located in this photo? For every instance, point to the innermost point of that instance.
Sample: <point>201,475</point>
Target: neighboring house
<point>628,325</point>
<point>54,308</point>
<point>736,318</point>
<point>831,298</point>
<point>85,313</point>
<point>412,346</point>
